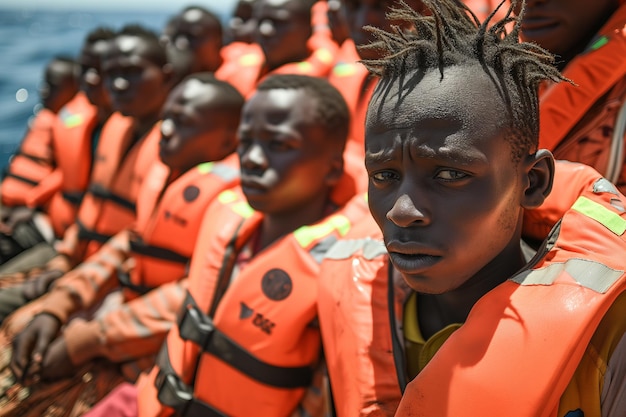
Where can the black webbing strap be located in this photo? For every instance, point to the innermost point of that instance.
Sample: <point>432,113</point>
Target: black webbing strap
<point>87,234</point>
<point>74,197</point>
<point>197,327</point>
<point>20,178</point>
<point>174,393</point>
<point>124,279</point>
<point>141,248</point>
<point>33,158</point>
<point>101,192</point>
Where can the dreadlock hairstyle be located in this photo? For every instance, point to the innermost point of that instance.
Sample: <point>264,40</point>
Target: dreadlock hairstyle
<point>452,35</point>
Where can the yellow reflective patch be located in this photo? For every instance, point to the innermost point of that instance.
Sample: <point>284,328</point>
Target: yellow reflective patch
<point>249,60</point>
<point>601,214</point>
<point>205,167</point>
<point>227,196</point>
<point>307,234</point>
<point>344,69</point>
<point>243,209</point>
<point>305,67</point>
<point>324,55</point>
<point>73,120</point>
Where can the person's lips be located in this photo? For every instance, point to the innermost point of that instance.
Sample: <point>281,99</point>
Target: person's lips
<point>411,257</point>
<point>251,183</point>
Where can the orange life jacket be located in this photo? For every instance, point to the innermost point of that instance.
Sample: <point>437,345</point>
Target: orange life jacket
<point>352,80</point>
<point>570,113</point>
<point>32,162</point>
<point>263,337</point>
<point>509,343</point>
<point>168,221</point>
<point>72,140</point>
<point>116,177</point>
<point>244,69</point>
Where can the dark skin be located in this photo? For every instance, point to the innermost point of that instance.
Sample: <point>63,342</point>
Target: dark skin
<point>241,25</point>
<point>40,350</point>
<point>90,83</point>
<point>60,84</point>
<point>565,27</point>
<point>196,39</point>
<point>288,162</point>
<point>337,21</point>
<point>284,27</point>
<point>445,192</point>
<point>134,84</point>
<point>90,60</point>
<point>138,85</point>
<point>193,116</point>
<point>361,13</point>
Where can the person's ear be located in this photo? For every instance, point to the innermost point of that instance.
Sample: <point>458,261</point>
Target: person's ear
<point>335,172</point>
<point>540,177</point>
<point>168,73</point>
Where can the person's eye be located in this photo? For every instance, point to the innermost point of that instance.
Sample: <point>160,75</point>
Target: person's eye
<point>244,142</point>
<point>280,145</point>
<point>451,175</point>
<point>382,177</point>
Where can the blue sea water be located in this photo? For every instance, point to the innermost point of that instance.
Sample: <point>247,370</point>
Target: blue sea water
<point>28,39</point>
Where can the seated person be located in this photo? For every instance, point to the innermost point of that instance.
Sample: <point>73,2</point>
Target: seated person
<point>193,39</point>
<point>437,297</point>
<point>34,161</point>
<point>254,269</point>
<point>584,121</point>
<point>200,119</point>
<point>288,39</point>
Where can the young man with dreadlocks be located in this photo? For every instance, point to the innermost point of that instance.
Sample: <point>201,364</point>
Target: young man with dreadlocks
<point>438,300</point>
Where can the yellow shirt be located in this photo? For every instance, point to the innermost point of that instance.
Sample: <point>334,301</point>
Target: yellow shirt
<point>598,387</point>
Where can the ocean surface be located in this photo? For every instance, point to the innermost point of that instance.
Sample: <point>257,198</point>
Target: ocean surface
<point>29,39</point>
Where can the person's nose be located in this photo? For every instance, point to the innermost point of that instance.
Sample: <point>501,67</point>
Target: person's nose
<point>120,84</point>
<point>405,213</point>
<point>254,157</point>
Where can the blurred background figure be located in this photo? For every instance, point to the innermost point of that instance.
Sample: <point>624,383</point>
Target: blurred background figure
<point>241,25</point>
<point>63,24</point>
<point>193,38</point>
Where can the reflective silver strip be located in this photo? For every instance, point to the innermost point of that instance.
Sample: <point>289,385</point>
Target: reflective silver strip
<point>603,185</point>
<point>344,249</point>
<point>590,274</point>
<point>226,172</point>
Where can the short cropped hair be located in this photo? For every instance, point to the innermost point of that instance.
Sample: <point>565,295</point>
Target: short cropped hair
<point>100,33</point>
<point>230,97</point>
<point>158,53</point>
<point>331,111</point>
<point>452,35</point>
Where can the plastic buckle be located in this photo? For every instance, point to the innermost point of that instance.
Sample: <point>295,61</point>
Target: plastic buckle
<point>196,326</point>
<point>172,392</point>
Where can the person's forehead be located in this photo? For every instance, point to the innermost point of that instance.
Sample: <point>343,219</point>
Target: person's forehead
<point>281,105</point>
<point>281,9</point>
<point>465,93</point>
<point>132,50</point>
<point>198,93</point>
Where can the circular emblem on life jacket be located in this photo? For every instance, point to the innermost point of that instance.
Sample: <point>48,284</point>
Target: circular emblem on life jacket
<point>276,284</point>
<point>191,193</point>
